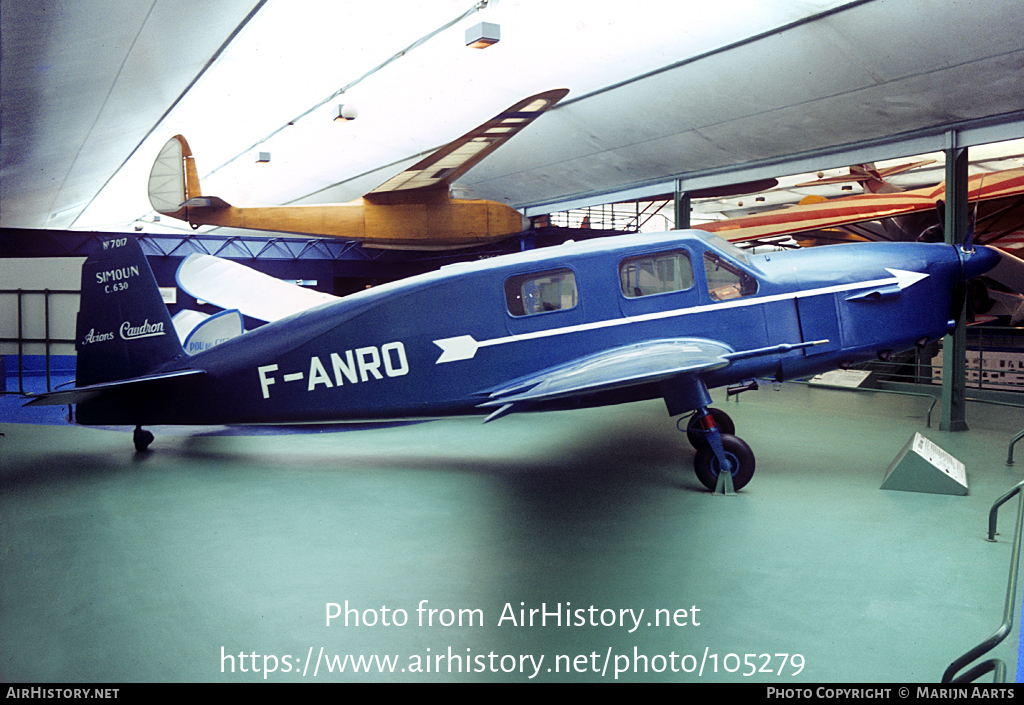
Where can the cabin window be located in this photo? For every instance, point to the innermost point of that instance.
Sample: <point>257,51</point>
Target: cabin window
<point>726,281</point>
<point>541,292</point>
<point>655,274</point>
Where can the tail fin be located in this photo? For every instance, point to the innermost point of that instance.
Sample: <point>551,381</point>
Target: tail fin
<point>173,179</point>
<point>124,327</point>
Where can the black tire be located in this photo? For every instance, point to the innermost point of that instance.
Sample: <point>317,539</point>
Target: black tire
<point>142,439</point>
<point>740,456</point>
<point>695,435</point>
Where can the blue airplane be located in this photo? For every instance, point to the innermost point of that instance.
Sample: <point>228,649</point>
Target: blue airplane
<point>600,322</point>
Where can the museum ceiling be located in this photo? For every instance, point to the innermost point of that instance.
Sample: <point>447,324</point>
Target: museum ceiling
<point>706,92</point>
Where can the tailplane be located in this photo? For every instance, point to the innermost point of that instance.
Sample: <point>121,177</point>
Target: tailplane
<point>124,327</point>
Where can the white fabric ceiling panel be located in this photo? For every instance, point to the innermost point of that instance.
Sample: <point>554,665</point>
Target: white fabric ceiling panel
<point>877,70</point>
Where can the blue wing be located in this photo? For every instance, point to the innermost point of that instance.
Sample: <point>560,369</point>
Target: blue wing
<point>625,366</point>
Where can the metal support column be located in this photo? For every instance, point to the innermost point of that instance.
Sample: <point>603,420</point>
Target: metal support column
<point>682,203</point>
<point>954,348</point>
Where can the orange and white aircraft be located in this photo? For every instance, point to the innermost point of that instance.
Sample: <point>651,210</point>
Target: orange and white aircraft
<point>998,200</point>
<point>413,210</point>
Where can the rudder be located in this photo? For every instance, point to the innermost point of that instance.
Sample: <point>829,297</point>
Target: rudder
<point>173,179</point>
<point>124,327</point>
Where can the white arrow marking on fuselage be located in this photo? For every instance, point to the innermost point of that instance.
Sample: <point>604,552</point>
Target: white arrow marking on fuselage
<point>461,348</point>
<point>904,278</point>
<point>464,347</point>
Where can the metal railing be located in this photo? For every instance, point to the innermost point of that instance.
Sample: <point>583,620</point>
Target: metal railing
<point>47,341</point>
<point>994,665</point>
<point>626,217</point>
<point>995,361</point>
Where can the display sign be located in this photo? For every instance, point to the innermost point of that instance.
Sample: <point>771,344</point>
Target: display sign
<point>841,378</point>
<point>922,466</point>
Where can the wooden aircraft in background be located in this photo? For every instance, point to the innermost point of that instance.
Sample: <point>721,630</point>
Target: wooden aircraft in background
<point>412,210</point>
<point>997,199</point>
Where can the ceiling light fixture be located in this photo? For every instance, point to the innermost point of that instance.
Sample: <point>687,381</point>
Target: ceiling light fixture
<point>483,35</point>
<point>478,6</point>
<point>345,112</point>
<point>262,157</point>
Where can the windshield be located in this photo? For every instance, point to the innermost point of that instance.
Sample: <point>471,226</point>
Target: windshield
<point>725,247</point>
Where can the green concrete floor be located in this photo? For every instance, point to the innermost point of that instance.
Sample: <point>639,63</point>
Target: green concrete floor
<point>168,566</point>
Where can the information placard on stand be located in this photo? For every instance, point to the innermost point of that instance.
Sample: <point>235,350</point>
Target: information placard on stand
<point>922,466</point>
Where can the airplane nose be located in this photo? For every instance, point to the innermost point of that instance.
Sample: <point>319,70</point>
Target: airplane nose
<point>982,260</point>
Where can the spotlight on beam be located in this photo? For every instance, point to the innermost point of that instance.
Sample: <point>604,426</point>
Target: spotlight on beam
<point>345,113</point>
<point>483,35</point>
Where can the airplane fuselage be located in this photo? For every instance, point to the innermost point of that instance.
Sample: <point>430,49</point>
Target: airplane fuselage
<point>439,224</point>
<point>439,343</point>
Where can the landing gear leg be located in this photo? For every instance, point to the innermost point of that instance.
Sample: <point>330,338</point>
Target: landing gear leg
<point>695,432</point>
<point>719,453</point>
<point>724,463</point>
<point>142,439</point>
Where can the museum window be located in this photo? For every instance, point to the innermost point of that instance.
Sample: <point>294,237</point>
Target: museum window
<point>655,274</point>
<point>541,292</point>
<point>726,281</point>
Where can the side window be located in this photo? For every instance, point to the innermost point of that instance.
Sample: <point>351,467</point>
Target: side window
<point>726,281</point>
<point>540,292</point>
<point>655,274</point>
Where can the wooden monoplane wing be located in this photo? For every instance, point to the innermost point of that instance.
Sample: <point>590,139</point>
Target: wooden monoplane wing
<point>440,169</point>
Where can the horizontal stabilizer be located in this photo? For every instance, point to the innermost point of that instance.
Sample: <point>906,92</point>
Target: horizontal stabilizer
<point>620,367</point>
<point>206,202</point>
<point>230,285</point>
<point>80,394</point>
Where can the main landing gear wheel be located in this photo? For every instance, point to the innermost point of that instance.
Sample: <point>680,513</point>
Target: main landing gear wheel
<point>739,456</point>
<point>695,434</point>
<point>142,439</point>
